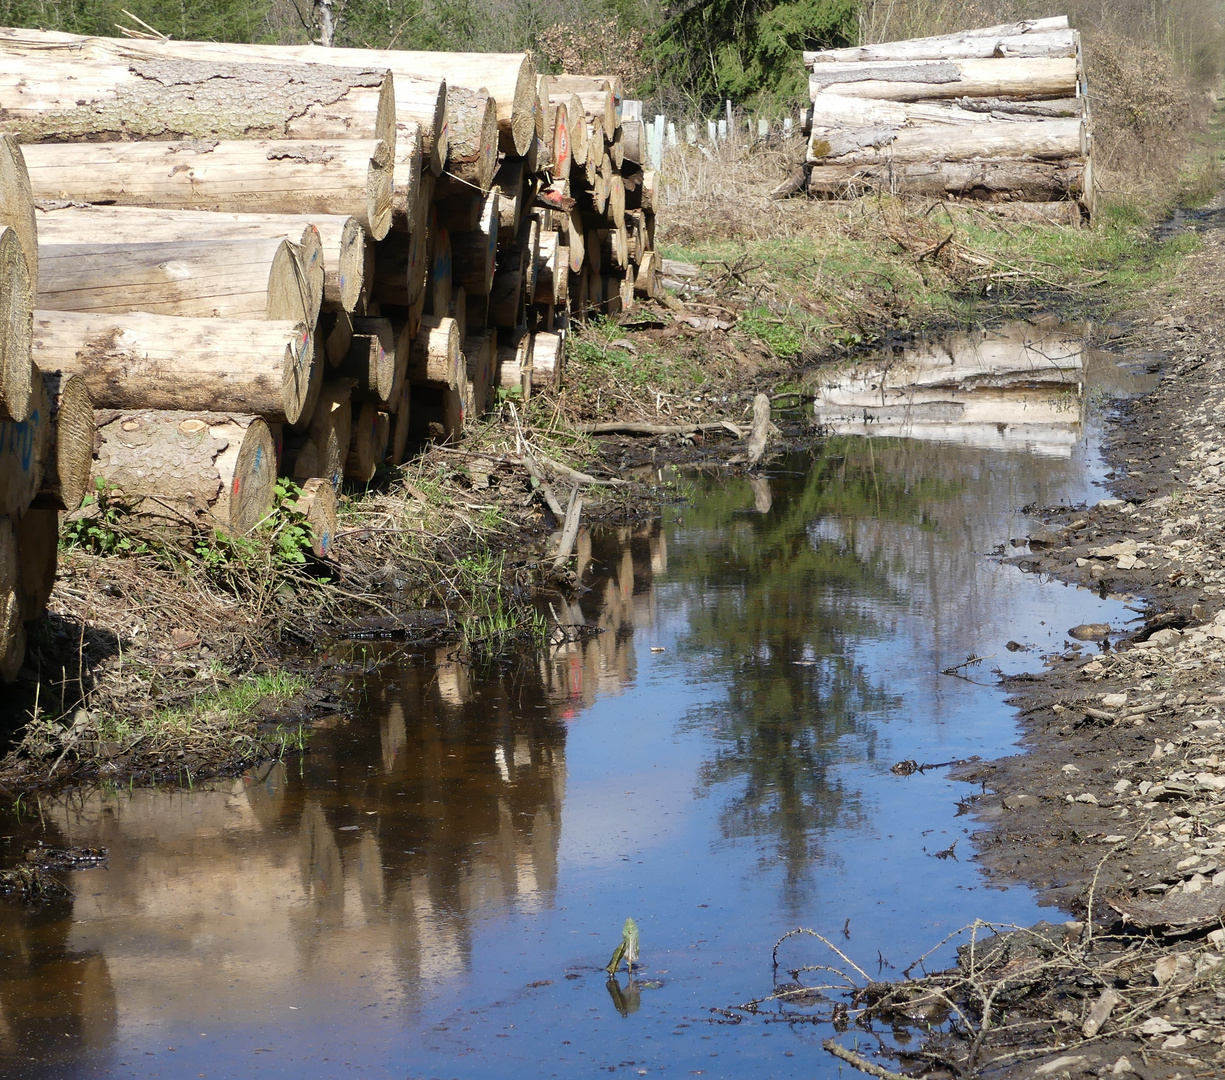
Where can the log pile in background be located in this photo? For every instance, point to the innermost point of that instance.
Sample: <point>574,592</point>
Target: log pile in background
<point>998,114</point>
<point>271,259</point>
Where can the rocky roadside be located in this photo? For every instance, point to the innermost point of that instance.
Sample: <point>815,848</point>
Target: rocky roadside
<point>1115,811</point>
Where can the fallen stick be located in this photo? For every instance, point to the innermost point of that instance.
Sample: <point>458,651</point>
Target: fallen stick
<point>861,1063</point>
<point>569,532</point>
<point>545,489</point>
<point>637,427</point>
<point>759,433</point>
<point>581,477</point>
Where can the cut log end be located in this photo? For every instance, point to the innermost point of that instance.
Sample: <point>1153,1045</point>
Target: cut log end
<point>16,327</point>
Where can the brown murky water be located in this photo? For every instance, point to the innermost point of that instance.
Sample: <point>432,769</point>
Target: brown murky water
<point>434,889</point>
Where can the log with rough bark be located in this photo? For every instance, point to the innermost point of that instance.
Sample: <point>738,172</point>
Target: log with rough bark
<point>834,112</point>
<point>16,314</point>
<point>918,80</point>
<point>216,469</point>
<point>340,241</point>
<point>435,358</point>
<point>233,279</point>
<point>125,96</point>
<point>37,535</point>
<point>995,180</point>
<point>419,98</point>
<point>317,504</point>
<point>69,460</point>
<point>371,362</point>
<point>473,134</point>
<point>963,45</point>
<point>352,178</point>
<point>23,452</point>
<point>1022,140</point>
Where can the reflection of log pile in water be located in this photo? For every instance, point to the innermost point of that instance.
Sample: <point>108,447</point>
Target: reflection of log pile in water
<point>1016,388</point>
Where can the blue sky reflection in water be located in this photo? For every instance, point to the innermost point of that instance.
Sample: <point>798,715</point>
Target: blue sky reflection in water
<point>434,890</point>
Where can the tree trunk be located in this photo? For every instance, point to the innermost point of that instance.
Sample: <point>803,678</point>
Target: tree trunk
<point>576,124</point>
<point>1033,140</point>
<point>257,176</point>
<point>23,452</point>
<point>371,362</point>
<point>368,444</point>
<point>918,80</point>
<point>474,254</point>
<point>419,98</point>
<point>163,361</point>
<point>406,174</point>
<point>244,280</point>
<point>37,535</point>
<point>472,117</point>
<point>547,352</point>
<point>439,283</point>
<point>434,357</point>
<point>317,504</point>
<point>83,98</point>
<point>17,203</point>
<point>507,297</point>
<point>12,636</point>
<point>325,447</point>
<point>633,141</point>
<point>548,270</point>
<point>559,142</point>
<point>16,314</point>
<point>943,46</point>
<point>997,181</point>
<point>69,462</point>
<point>835,112</point>
<point>214,468</point>
<point>646,281</point>
<point>514,363</point>
<point>615,208</point>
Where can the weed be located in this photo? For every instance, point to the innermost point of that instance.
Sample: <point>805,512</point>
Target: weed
<point>102,524</point>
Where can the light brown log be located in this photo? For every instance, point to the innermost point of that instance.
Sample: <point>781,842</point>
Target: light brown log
<point>474,254</point>
<point>614,248</point>
<point>546,366</point>
<point>233,279</point>
<point>318,505</point>
<point>998,180</point>
<point>626,286</point>
<point>510,186</point>
<point>549,272</point>
<point>646,281</point>
<point>17,203</point>
<point>440,281</point>
<point>514,361</point>
<point>616,147</point>
<point>123,96</point>
<point>401,422</point>
<point>585,84</point>
<point>371,362</point>
<point>633,141</point>
<point>435,357</point>
<point>1007,108</point>
<point>37,536</point>
<point>406,172</point>
<point>352,178</point>
<point>576,123</point>
<point>16,315</point>
<point>615,208</point>
<point>636,229</point>
<point>459,312</point>
<point>601,106</point>
<point>1028,140</point>
<point>966,43</point>
<point>401,268</point>
<point>529,242</point>
<point>341,239</point>
<point>640,190</point>
<point>480,356</point>
<point>595,253</point>
<point>325,447</point>
<point>68,463</point>
<point>833,112</point>
<point>419,98</point>
<point>23,452</point>
<point>333,333</point>
<point>368,444</point>
<point>12,636</point>
<point>211,468</point>
<point>559,143</point>
<point>576,240</point>
<point>473,134</point>
<point>918,80</point>
<point>507,297</point>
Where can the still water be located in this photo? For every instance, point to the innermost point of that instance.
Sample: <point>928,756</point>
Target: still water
<point>434,890</point>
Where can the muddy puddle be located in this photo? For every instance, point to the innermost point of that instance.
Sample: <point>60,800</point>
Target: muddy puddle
<point>434,890</point>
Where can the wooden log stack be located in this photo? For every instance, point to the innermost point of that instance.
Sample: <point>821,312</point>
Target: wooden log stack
<point>261,259</point>
<point>999,114</point>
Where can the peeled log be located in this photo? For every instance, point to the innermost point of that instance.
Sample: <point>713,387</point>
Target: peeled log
<point>474,254</point>
<point>352,178</point>
<point>942,46</point>
<point>124,95</point>
<point>16,315</point>
<point>339,241</point>
<point>37,536</point>
<point>406,174</point>
<point>68,464</point>
<point>232,279</point>
<point>546,366</point>
<point>1033,140</point>
<point>435,358</point>
<point>576,121</point>
<point>371,361</point>
<point>419,98</point>
<point>140,361</point>
<point>317,504</point>
<point>212,468</point>
<point>23,452</point>
<point>905,80</point>
<point>1025,181</point>
<point>473,133</point>
<point>368,445</point>
<point>17,202</point>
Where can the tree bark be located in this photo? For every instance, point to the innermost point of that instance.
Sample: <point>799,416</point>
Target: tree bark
<point>93,98</point>
<point>69,461</point>
<point>942,46</point>
<point>352,178</point>
<point>16,315</point>
<point>230,279</point>
<point>214,468</point>
<point>1032,140</point>
<point>998,180</point>
<point>918,80</point>
<point>473,123</point>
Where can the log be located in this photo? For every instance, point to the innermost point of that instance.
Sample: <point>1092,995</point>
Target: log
<point>440,280</point>
<point>317,504</point>
<point>507,297</point>
<point>558,126</point>
<point>36,535</point>
<point>474,254</point>
<point>1006,108</point>
<point>217,469</point>
<point>943,46</point>
<point>1068,212</point>
<point>119,96</point>
<point>514,364</point>
<point>614,248</point>
<point>626,286</point>
<point>323,451</point>
<point>439,413</point>
<point>333,333</point>
<point>635,227</point>
<point>401,422</point>
<point>473,134</point>
<point>904,80</point>
<point>353,178</point>
<point>12,636</point>
<point>633,141</point>
<point>23,452</point>
<point>406,173</point>
<point>1029,140</point>
<point>546,365</point>
<point>549,272</point>
<point>16,316</point>
<point>17,203</point>
<point>576,240</point>
<point>576,125</point>
<point>599,106</point>
<point>480,358</point>
<point>646,281</point>
<point>419,98</point>
<point>510,186</point>
<point>341,240</point>
<point>229,279</point>
<point>69,460</point>
<point>834,112</point>
<point>368,444</point>
<point>615,208</point>
<point>371,362</point>
<point>434,357</point>
<point>997,181</point>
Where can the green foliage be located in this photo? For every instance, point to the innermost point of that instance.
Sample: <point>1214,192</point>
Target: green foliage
<point>207,20</point>
<point>100,525</point>
<point>748,50</point>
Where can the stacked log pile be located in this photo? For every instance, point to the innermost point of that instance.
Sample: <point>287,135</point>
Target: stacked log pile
<point>46,427</point>
<point>263,259</point>
<point>998,114</point>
